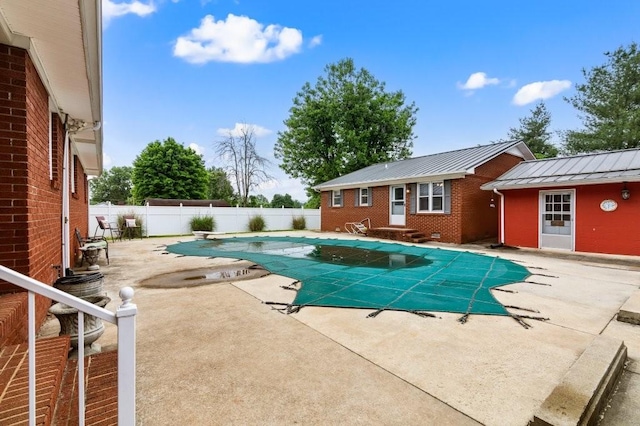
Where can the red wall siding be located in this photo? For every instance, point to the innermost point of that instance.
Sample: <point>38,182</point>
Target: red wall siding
<point>471,216</point>
<point>596,231</point>
<point>616,232</point>
<point>521,217</point>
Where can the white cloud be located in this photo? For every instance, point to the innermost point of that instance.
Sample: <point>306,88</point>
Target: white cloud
<point>540,90</point>
<point>197,148</point>
<point>315,41</point>
<point>239,128</point>
<point>478,80</point>
<point>111,10</point>
<point>237,39</point>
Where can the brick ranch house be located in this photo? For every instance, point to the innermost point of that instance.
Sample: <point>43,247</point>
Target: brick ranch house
<point>584,203</point>
<point>50,140</point>
<point>438,195</point>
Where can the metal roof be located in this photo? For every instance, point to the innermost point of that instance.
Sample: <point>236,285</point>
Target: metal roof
<point>445,165</point>
<point>64,41</point>
<point>606,167</point>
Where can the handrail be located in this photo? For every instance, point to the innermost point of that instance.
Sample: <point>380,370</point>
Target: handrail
<point>124,319</point>
<point>30,284</point>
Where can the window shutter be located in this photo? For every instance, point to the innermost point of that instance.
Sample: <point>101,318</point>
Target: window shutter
<point>356,197</point>
<point>341,197</point>
<point>413,196</point>
<point>370,196</point>
<point>330,198</point>
<point>447,196</point>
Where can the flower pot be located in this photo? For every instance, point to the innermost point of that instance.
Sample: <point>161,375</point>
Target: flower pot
<point>82,285</point>
<point>68,318</point>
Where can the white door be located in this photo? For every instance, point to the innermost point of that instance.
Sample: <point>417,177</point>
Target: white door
<point>557,219</point>
<point>396,216</point>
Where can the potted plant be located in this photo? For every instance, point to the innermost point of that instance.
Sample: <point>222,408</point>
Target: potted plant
<point>201,226</point>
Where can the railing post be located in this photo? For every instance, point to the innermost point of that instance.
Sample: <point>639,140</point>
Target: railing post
<point>126,315</point>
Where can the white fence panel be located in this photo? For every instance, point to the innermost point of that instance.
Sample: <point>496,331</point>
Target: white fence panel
<point>165,220</point>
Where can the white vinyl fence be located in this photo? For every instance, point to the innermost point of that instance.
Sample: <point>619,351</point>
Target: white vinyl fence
<point>165,220</point>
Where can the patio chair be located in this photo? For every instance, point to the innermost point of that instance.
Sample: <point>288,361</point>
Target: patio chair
<point>130,227</point>
<point>104,224</point>
<point>86,244</point>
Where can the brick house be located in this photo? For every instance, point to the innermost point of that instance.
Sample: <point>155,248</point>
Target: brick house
<point>437,195</point>
<point>50,140</point>
<point>584,203</point>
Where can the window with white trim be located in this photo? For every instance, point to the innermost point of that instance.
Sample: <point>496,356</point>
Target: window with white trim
<point>431,197</point>
<point>364,196</point>
<point>336,198</point>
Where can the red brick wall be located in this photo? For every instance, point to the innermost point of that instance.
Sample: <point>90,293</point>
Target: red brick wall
<point>335,217</point>
<point>471,217</point>
<point>30,201</point>
<point>479,219</point>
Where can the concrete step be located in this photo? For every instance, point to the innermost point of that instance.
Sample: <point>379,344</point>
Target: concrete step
<point>51,359</point>
<point>584,390</point>
<point>101,402</point>
<point>630,311</point>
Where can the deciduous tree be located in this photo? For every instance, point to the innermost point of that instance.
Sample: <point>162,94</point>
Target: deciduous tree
<point>285,200</point>
<point>219,186</point>
<point>345,122</point>
<point>168,169</point>
<point>113,185</point>
<point>245,166</point>
<point>609,103</point>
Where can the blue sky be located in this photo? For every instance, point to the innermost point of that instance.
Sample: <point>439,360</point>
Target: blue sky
<point>196,69</point>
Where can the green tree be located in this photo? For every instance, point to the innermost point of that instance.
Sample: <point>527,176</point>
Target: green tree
<point>113,185</point>
<point>285,200</point>
<point>345,122</point>
<point>534,131</point>
<point>257,201</point>
<point>169,170</point>
<point>609,103</point>
<point>245,166</point>
<point>219,186</point>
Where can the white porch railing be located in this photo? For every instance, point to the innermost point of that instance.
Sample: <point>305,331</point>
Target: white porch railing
<point>124,319</point>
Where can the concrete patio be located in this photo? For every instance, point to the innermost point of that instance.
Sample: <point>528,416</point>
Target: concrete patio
<point>216,354</point>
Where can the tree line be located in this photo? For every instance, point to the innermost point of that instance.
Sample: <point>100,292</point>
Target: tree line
<point>348,120</point>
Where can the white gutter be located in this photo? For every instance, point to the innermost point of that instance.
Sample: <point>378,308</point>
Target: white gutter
<point>501,214</point>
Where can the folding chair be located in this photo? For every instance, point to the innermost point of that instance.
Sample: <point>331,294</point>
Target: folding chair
<point>130,227</point>
<point>104,224</point>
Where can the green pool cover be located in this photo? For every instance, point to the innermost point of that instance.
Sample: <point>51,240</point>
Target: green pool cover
<point>371,274</point>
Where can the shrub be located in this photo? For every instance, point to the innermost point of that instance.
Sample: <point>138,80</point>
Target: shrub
<point>299,222</point>
<point>202,223</point>
<point>256,224</point>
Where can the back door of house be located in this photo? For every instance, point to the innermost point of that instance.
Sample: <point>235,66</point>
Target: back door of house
<point>397,213</point>
<point>557,219</point>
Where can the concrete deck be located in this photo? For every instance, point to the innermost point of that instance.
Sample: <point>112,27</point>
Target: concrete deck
<point>217,354</point>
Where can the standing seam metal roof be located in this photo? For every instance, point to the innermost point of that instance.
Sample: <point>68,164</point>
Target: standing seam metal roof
<point>615,166</point>
<point>461,161</point>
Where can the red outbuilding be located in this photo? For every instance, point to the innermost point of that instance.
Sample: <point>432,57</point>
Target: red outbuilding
<point>584,203</point>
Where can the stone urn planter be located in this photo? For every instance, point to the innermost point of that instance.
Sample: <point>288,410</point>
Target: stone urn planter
<point>81,285</point>
<point>68,318</point>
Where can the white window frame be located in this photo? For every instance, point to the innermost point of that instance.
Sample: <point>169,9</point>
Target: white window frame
<point>430,191</point>
<point>336,194</point>
<point>363,199</point>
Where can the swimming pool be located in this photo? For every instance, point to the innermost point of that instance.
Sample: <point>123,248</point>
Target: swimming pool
<point>372,274</point>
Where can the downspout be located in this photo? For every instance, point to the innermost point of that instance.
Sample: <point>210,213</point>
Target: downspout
<point>66,262</point>
<point>501,217</point>
<point>66,187</point>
